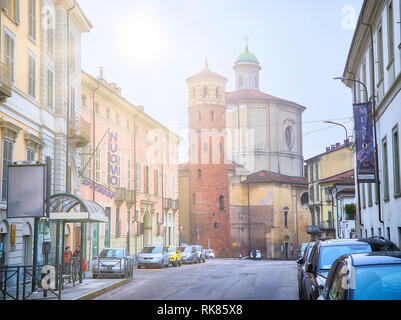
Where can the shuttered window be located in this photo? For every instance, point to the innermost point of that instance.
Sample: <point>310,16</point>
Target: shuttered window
<point>32,19</point>
<point>32,76</point>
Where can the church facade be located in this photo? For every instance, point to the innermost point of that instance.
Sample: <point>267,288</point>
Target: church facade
<point>232,137</point>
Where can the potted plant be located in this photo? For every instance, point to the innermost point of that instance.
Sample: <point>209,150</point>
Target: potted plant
<point>350,210</point>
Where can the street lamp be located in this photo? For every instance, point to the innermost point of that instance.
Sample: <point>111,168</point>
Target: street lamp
<point>339,124</point>
<point>357,81</point>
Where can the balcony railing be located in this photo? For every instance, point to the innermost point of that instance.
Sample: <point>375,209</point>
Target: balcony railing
<point>121,194</point>
<point>175,204</point>
<point>166,203</point>
<point>327,225</point>
<point>312,229</point>
<point>6,80</point>
<point>80,132</point>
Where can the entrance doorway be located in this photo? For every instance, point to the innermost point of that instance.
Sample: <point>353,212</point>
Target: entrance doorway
<point>147,235</point>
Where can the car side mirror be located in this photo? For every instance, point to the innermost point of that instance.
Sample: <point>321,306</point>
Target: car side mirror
<point>300,261</point>
<point>309,267</point>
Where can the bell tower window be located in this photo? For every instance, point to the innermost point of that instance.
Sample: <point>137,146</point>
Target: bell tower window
<point>205,92</point>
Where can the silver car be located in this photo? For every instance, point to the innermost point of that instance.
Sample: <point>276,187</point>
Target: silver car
<point>114,262</point>
<point>189,255</point>
<point>153,256</point>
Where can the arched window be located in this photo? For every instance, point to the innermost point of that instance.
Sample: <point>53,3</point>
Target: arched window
<point>199,116</point>
<point>221,202</point>
<point>205,92</point>
<point>285,219</point>
<point>216,225</point>
<point>199,173</point>
<point>193,199</point>
<point>212,115</point>
<point>217,92</point>
<point>240,82</point>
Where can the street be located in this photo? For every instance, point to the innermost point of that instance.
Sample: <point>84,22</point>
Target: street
<point>214,280</point>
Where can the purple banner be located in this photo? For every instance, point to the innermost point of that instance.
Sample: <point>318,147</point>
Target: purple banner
<point>364,140</point>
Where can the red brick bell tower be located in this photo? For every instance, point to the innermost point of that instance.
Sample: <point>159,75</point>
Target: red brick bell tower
<point>208,176</point>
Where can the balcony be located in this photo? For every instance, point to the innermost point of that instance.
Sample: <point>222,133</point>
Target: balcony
<point>167,203</point>
<point>175,204</point>
<point>5,82</point>
<point>326,226</point>
<point>79,132</point>
<point>121,194</point>
<point>312,229</point>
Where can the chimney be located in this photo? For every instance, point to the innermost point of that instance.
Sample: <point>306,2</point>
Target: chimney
<point>333,146</point>
<point>327,149</point>
<point>338,145</point>
<point>100,72</point>
<point>141,108</point>
<point>118,90</point>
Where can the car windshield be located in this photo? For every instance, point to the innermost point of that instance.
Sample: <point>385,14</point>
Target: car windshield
<point>330,253</point>
<point>308,252</point>
<point>112,253</point>
<point>377,282</point>
<point>187,249</point>
<point>152,250</point>
<point>171,249</point>
<point>198,248</point>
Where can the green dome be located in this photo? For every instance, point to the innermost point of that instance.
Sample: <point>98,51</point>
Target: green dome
<point>247,56</point>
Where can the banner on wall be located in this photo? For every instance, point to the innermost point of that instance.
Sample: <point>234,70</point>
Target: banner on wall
<point>364,140</point>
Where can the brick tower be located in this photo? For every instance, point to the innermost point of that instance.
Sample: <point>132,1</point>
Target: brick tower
<point>208,177</point>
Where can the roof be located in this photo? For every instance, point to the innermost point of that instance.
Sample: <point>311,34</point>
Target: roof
<point>372,258</point>
<point>247,56</point>
<point>206,72</point>
<point>246,94</point>
<point>342,146</point>
<point>268,176</point>
<point>338,177</point>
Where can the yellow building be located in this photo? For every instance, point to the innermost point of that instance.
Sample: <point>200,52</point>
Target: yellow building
<point>35,38</point>
<point>276,207</point>
<point>322,172</point>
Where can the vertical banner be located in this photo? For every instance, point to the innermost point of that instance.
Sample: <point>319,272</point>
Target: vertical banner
<point>365,148</point>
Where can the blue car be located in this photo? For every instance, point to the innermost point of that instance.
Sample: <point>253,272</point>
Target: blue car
<point>364,276</point>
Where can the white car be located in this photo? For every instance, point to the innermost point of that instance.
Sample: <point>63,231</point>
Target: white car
<point>258,255</point>
<point>210,254</point>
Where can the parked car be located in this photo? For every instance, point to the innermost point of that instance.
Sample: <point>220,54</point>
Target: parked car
<point>210,254</point>
<point>302,250</point>
<point>153,256</point>
<point>364,276</point>
<point>301,268</point>
<point>175,255</point>
<point>189,254</point>
<point>325,252</point>
<point>111,262</point>
<point>201,254</point>
<point>258,255</point>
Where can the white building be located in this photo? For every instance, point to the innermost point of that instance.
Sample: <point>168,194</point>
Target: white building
<point>264,132</point>
<point>378,66</point>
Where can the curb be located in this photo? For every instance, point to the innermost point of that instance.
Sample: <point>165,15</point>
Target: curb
<point>94,294</point>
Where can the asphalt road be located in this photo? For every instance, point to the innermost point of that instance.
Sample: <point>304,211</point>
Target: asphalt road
<point>214,280</point>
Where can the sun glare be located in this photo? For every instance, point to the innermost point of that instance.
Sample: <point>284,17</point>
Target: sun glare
<point>142,39</point>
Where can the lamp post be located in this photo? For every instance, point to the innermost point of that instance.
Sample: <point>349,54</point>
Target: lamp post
<point>375,137</point>
<point>339,124</point>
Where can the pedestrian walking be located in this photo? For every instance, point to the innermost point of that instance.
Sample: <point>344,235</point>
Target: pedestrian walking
<point>67,259</point>
<point>76,260</point>
<point>254,254</point>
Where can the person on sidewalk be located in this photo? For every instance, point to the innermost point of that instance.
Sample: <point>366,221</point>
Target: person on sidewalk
<point>76,260</point>
<point>67,259</point>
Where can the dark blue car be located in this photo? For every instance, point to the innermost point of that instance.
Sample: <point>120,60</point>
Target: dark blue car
<point>364,276</point>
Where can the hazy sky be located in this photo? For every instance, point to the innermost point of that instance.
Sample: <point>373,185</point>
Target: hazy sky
<point>150,47</point>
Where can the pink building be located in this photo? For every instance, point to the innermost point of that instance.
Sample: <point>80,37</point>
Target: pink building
<point>133,172</point>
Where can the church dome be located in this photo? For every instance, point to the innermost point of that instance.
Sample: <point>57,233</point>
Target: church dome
<point>247,56</point>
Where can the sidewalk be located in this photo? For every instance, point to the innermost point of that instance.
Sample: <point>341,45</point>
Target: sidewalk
<point>87,290</point>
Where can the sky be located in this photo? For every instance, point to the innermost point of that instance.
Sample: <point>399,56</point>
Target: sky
<point>150,47</point>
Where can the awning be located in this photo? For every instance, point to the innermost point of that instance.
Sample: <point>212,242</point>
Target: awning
<point>71,208</point>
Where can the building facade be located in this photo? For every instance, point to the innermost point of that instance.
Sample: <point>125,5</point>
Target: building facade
<point>322,171</point>
<point>130,167</point>
<point>263,132</point>
<point>234,135</point>
<point>268,212</point>
<point>374,59</point>
<point>40,71</point>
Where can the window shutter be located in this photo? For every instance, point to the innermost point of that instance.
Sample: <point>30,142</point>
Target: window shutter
<point>16,11</point>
